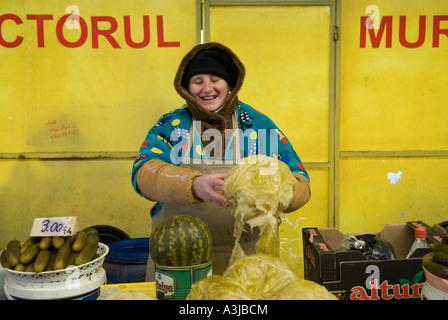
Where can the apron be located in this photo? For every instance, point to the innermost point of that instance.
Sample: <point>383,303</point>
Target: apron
<point>218,219</point>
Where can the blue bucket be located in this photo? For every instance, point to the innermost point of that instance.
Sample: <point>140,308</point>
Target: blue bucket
<point>127,260</point>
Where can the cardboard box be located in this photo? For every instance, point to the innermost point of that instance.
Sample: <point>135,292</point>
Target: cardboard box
<point>350,276</point>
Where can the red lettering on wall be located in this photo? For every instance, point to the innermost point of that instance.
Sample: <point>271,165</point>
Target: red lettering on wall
<point>106,33</point>
<point>437,31</point>
<point>127,33</point>
<point>18,39</point>
<point>386,24</point>
<point>160,35</point>
<point>104,26</point>
<point>421,32</point>
<point>62,130</point>
<point>385,27</point>
<point>40,18</point>
<point>60,32</point>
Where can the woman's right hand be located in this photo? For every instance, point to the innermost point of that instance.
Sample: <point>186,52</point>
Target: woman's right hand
<point>204,188</point>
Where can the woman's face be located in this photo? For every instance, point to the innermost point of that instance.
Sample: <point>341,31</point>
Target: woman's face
<point>209,90</point>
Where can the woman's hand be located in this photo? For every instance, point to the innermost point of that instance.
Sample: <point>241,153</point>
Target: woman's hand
<point>204,188</point>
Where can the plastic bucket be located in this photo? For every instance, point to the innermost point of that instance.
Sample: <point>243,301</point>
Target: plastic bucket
<point>82,289</point>
<point>126,260</point>
<point>174,283</point>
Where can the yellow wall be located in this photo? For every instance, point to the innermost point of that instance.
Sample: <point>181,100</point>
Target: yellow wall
<point>96,191</point>
<point>90,89</point>
<point>72,119</point>
<point>369,199</point>
<point>392,115</point>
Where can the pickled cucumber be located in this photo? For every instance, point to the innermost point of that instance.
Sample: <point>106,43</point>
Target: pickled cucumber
<point>28,243</point>
<point>90,231</point>
<point>436,269</point>
<point>62,256</point>
<point>45,243</point>
<point>441,257</point>
<point>445,238</point>
<point>427,257</point>
<point>13,252</point>
<point>39,254</point>
<point>42,259</point>
<point>30,267</point>
<point>442,247</point>
<point>20,267</point>
<point>80,241</point>
<point>71,258</point>
<point>57,242</point>
<point>89,250</point>
<point>50,264</point>
<point>4,260</point>
<point>30,253</point>
<point>93,238</point>
<point>72,238</point>
<point>436,261</point>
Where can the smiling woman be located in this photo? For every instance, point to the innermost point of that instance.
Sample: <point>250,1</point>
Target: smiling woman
<point>210,91</point>
<point>209,77</point>
<point>199,143</point>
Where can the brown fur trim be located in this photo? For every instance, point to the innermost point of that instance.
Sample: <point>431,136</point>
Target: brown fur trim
<point>216,120</point>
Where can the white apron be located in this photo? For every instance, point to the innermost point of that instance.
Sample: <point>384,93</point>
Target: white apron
<point>218,219</point>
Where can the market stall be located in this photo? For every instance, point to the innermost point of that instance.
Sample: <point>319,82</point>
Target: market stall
<point>404,261</point>
<point>358,89</point>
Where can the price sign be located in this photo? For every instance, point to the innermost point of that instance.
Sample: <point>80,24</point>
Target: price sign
<point>54,226</point>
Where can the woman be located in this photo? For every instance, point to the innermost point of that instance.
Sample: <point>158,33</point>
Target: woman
<point>186,155</point>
